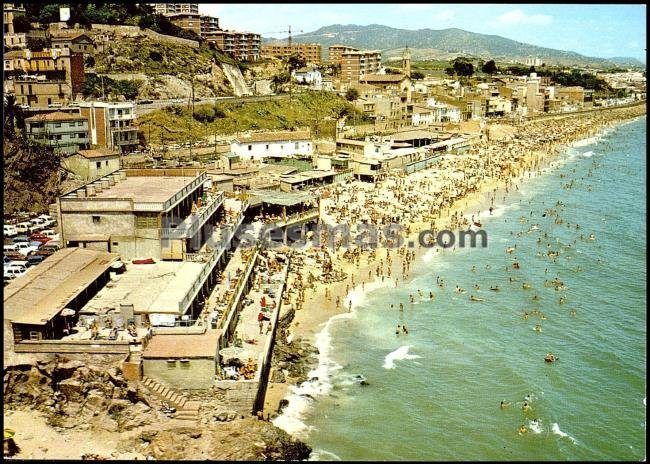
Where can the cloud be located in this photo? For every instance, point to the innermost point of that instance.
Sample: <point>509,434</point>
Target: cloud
<point>518,17</point>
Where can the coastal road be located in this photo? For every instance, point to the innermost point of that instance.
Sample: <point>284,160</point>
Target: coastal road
<point>158,104</point>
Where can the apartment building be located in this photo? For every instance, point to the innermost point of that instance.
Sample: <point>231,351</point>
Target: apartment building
<point>335,52</point>
<point>132,211</point>
<point>10,37</point>
<point>574,95</point>
<point>64,132</point>
<point>111,124</point>
<point>40,79</point>
<point>310,52</point>
<point>356,64</point>
<point>243,46</point>
<point>188,21</point>
<point>173,8</point>
<point>209,24</point>
<point>75,41</point>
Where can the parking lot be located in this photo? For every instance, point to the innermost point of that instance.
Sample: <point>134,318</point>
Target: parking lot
<point>28,240</point>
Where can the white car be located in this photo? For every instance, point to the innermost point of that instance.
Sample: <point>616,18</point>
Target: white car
<point>23,227</point>
<point>49,220</point>
<point>51,233</point>
<point>13,272</point>
<point>11,247</point>
<point>25,248</point>
<point>9,230</point>
<point>40,223</point>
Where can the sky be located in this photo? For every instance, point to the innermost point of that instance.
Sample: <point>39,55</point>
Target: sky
<point>593,30</point>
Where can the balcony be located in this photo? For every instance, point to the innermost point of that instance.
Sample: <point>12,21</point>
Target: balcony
<point>191,225</point>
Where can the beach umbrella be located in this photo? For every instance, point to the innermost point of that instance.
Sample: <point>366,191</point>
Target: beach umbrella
<point>68,312</point>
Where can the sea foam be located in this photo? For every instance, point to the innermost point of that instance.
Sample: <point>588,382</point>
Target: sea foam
<point>555,428</point>
<point>301,397</point>
<point>399,354</point>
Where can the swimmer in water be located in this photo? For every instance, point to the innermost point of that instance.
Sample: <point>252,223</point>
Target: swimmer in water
<point>525,407</point>
<point>397,330</point>
<point>401,306</point>
<point>562,300</point>
<point>522,429</point>
<point>537,328</point>
<point>504,404</point>
<point>405,330</point>
<point>431,296</point>
<point>535,297</point>
<point>573,312</point>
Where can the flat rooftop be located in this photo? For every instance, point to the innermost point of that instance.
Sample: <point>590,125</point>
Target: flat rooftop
<point>42,293</point>
<point>182,346</point>
<point>150,288</point>
<point>146,188</point>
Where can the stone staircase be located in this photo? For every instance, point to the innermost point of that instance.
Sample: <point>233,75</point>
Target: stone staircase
<point>186,410</point>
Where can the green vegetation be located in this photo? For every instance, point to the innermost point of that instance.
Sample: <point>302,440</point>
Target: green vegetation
<point>489,67</point>
<point>151,57</point>
<point>352,94</point>
<point>97,86</point>
<point>318,110</point>
<point>417,75</point>
<point>127,13</point>
<point>460,66</point>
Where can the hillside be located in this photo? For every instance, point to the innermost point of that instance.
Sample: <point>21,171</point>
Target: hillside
<point>318,110</point>
<point>445,42</point>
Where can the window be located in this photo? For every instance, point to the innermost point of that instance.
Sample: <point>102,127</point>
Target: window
<point>250,147</point>
<point>106,163</point>
<point>49,101</point>
<point>81,135</point>
<point>57,124</point>
<point>115,243</point>
<point>96,219</point>
<point>267,147</point>
<point>297,145</point>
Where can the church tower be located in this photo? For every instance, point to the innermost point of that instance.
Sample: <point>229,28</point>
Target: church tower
<point>406,62</point>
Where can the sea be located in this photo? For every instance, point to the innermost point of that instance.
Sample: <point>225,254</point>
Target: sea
<point>435,393</point>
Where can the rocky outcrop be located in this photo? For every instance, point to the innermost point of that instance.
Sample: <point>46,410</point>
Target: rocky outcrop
<point>70,393</point>
<point>297,357</point>
<point>247,439</point>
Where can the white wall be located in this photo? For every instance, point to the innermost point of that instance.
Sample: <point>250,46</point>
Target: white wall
<point>261,150</point>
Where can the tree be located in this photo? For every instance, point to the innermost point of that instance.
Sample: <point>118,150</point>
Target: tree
<point>450,71</point>
<point>462,66</point>
<point>296,62</point>
<point>417,75</point>
<point>36,44</point>
<point>489,67</point>
<point>351,94</point>
<point>21,24</point>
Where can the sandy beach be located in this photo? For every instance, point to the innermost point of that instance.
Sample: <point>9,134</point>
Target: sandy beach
<point>451,195</point>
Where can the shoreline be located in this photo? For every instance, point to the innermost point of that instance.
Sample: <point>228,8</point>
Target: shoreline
<point>312,325</point>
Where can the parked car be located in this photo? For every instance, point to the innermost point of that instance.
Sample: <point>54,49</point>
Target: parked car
<point>48,220</point>
<point>35,259</point>
<point>51,234</point>
<point>11,247</point>
<point>44,252</point>
<point>39,237</point>
<point>9,230</point>
<point>20,238</point>
<point>13,256</point>
<point>11,273</point>
<point>23,227</point>
<point>40,223</point>
<point>25,248</point>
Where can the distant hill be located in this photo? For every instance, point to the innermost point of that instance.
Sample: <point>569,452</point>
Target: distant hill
<point>443,43</point>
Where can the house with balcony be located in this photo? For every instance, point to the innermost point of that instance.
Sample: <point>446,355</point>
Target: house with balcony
<point>111,124</point>
<point>64,132</point>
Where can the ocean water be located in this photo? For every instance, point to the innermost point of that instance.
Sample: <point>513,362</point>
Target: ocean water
<point>434,394</point>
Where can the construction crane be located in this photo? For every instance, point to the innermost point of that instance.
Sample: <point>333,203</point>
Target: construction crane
<point>288,31</point>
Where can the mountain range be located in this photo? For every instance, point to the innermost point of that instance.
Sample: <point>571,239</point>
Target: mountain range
<point>446,44</point>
